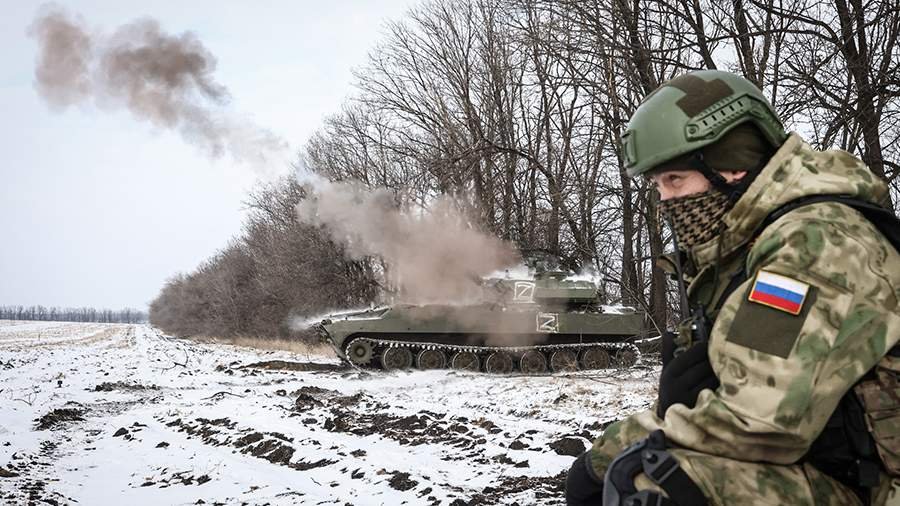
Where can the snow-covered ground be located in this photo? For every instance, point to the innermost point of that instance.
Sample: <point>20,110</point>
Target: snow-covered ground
<point>95,414</point>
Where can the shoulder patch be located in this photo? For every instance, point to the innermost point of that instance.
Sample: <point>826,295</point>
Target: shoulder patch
<point>779,292</point>
<point>767,329</point>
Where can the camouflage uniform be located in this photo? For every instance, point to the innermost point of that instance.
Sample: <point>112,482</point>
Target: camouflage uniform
<point>783,375</point>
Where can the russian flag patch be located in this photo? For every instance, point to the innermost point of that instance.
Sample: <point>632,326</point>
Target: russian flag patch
<point>779,292</point>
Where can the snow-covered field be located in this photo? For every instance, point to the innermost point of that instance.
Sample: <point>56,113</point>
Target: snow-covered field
<point>95,414</point>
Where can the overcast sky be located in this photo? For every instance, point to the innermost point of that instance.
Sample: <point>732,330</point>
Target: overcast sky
<point>99,209</point>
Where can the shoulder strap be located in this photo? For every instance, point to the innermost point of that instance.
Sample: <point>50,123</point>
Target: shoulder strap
<point>883,219</point>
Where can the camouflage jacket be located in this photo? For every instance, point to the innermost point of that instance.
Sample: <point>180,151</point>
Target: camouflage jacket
<point>783,374</point>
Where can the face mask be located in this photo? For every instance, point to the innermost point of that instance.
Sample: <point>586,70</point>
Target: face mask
<point>696,218</point>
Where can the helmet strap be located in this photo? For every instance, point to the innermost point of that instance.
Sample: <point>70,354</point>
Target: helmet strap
<point>698,163</point>
<point>732,191</point>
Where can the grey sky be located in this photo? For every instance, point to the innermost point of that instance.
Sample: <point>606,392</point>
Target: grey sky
<point>97,208</point>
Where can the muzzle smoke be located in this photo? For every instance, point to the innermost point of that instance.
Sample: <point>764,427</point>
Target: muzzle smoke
<point>161,78</point>
<point>433,255</point>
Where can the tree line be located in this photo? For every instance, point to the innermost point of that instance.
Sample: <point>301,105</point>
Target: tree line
<point>267,281</point>
<point>516,107</point>
<point>72,314</point>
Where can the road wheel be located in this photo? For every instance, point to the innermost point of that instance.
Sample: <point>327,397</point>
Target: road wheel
<point>360,352</point>
<point>396,358</point>
<point>431,359</point>
<point>533,362</point>
<point>563,361</point>
<point>498,363</point>
<point>594,358</point>
<point>465,361</point>
<point>626,357</point>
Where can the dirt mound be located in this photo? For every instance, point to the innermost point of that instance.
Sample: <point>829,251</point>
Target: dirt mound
<point>59,416</point>
<point>544,487</point>
<point>272,450</point>
<point>401,481</point>
<point>361,415</point>
<point>121,385</point>
<point>570,446</point>
<point>411,430</point>
<point>178,478</point>
<point>205,429</point>
<point>283,365</point>
<point>271,446</point>
<point>276,450</point>
<point>309,397</point>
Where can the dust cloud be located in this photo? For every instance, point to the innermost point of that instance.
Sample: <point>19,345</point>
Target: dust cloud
<point>432,255</point>
<point>161,78</point>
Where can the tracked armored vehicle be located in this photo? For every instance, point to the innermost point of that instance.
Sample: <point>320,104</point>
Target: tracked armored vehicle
<point>550,323</point>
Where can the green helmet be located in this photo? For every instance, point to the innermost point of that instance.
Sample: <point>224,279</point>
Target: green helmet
<point>691,111</point>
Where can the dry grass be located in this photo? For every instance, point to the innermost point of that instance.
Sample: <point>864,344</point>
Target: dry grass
<point>290,345</point>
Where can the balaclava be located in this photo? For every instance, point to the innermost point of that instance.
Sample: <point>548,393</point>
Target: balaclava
<point>697,218</point>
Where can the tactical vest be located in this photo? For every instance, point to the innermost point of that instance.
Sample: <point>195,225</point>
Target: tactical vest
<point>862,437</point>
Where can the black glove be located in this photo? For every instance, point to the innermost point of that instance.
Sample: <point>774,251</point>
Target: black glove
<point>684,377</point>
<point>667,347</point>
<point>583,488</point>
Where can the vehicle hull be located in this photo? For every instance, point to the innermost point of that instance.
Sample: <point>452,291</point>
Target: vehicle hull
<point>483,329</point>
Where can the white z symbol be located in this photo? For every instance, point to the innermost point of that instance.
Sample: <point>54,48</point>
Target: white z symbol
<point>547,322</point>
<point>523,291</point>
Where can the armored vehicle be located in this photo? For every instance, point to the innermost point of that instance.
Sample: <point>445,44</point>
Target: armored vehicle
<point>550,323</point>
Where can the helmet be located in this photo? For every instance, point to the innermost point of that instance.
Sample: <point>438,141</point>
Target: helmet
<point>692,111</point>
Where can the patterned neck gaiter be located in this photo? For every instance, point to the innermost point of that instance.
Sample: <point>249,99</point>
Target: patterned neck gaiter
<point>696,218</point>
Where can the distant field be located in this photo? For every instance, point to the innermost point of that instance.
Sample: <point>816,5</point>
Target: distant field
<point>30,333</point>
<point>121,414</point>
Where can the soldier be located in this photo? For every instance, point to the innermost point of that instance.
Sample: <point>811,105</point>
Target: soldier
<point>767,391</point>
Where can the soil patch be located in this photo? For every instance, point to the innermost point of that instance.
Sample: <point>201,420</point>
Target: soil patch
<point>401,481</point>
<point>361,415</point>
<point>412,430</point>
<point>309,397</point>
<point>59,416</point>
<point>179,478</point>
<point>544,487</point>
<point>121,385</point>
<point>570,446</point>
<point>270,446</point>
<point>283,365</point>
<point>207,430</point>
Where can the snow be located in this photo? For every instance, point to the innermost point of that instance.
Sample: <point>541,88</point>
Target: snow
<point>195,423</point>
<point>520,271</point>
<point>616,309</point>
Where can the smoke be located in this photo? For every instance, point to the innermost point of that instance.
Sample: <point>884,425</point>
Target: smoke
<point>164,79</point>
<point>433,255</point>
